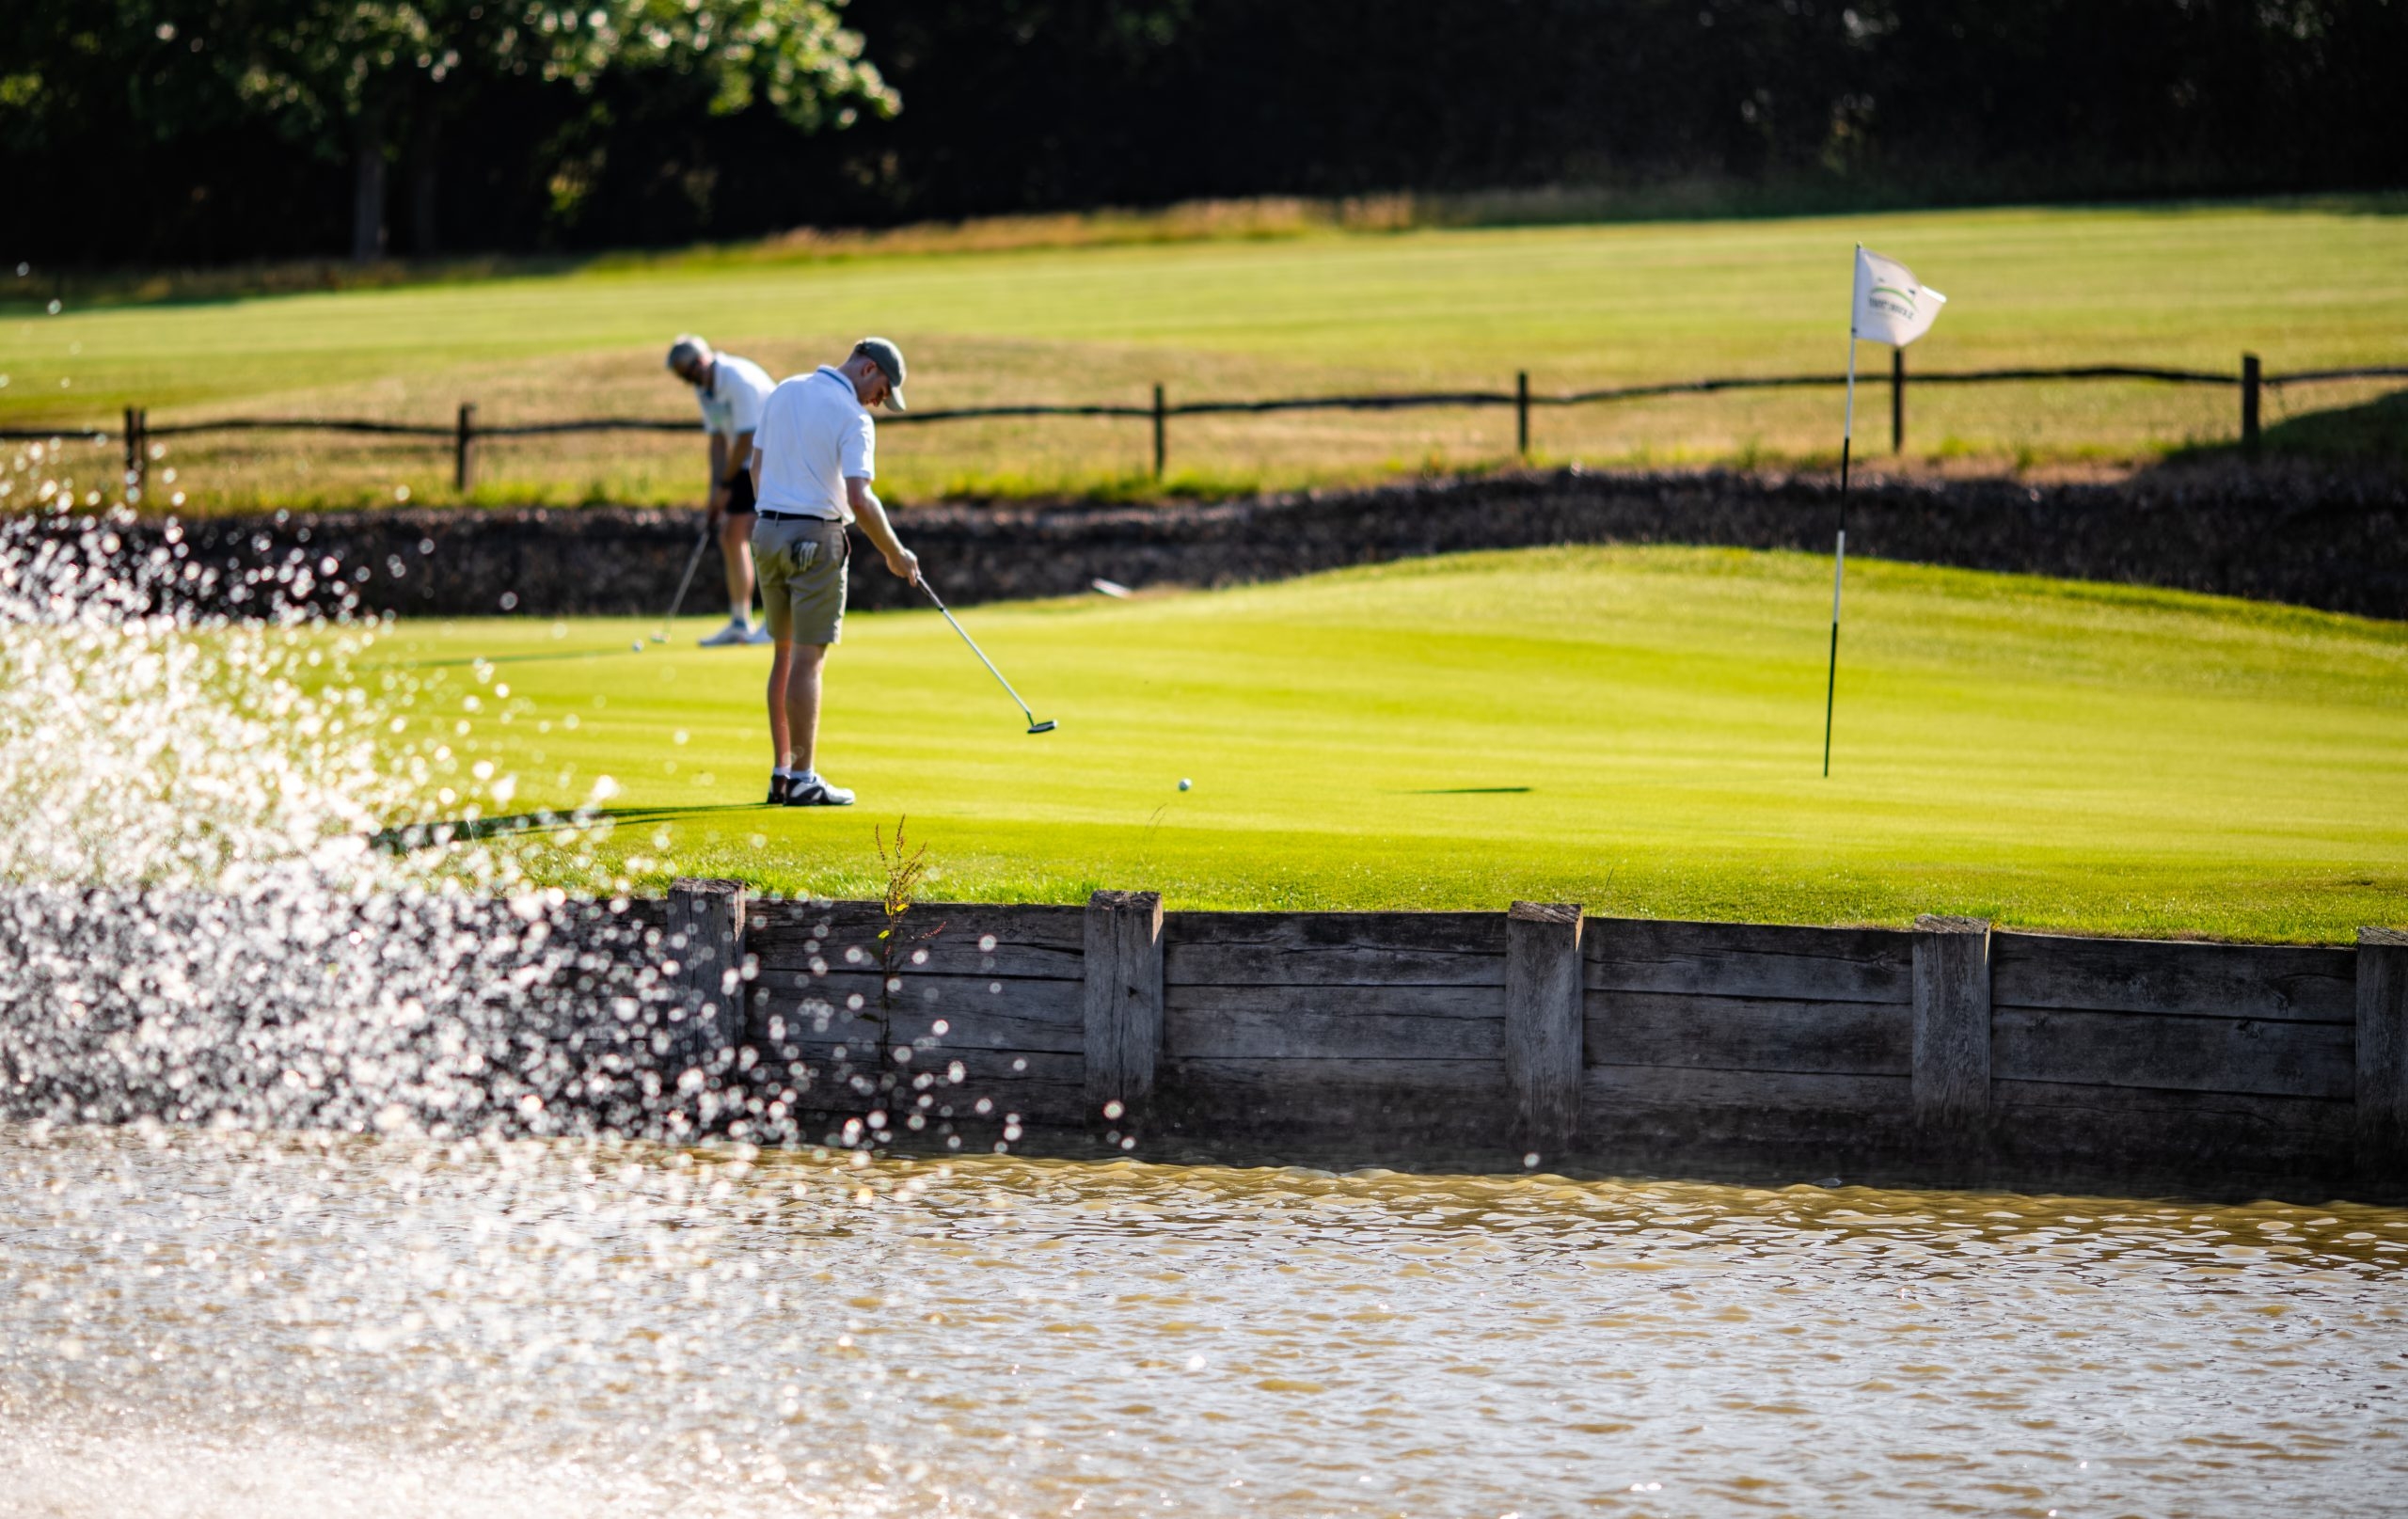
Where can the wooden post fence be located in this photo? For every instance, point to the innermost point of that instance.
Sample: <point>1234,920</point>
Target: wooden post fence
<point>2381,1046</point>
<point>463,441</point>
<point>1542,1023</point>
<point>1161,431</point>
<point>704,937</point>
<point>1897,401</point>
<point>1123,1001</point>
<point>2252,381</point>
<point>1522,413</point>
<point>137,448</point>
<point>1952,1021</point>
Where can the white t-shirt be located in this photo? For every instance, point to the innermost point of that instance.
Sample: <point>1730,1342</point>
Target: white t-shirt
<point>814,435</point>
<point>732,405</point>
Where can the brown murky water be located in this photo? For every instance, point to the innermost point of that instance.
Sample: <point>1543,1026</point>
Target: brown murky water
<point>198,1325</point>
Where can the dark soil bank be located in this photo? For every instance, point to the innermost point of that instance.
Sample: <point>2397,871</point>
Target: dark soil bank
<point>2331,542</point>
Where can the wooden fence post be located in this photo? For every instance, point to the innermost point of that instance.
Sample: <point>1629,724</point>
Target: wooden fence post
<point>1951,1020</point>
<point>133,443</point>
<point>2382,1047</point>
<point>1897,401</point>
<point>704,939</point>
<point>463,438</point>
<point>1543,1042</point>
<point>2252,379</point>
<point>1124,998</point>
<point>1522,413</point>
<point>1162,432</point>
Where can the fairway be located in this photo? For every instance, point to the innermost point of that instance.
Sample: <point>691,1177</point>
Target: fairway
<point>1637,730</point>
<point>2304,284</point>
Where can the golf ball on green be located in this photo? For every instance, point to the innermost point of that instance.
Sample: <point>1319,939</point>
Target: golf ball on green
<point>1184,783</point>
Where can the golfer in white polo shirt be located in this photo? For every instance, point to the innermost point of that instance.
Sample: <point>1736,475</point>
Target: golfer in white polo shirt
<point>732,391</point>
<point>814,456</point>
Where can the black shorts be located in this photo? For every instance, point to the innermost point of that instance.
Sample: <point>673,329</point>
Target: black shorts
<point>740,494</point>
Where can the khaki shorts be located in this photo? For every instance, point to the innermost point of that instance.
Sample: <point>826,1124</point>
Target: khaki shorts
<point>801,562</point>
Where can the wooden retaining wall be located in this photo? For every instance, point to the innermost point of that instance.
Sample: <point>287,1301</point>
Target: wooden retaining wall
<point>1542,1031</point>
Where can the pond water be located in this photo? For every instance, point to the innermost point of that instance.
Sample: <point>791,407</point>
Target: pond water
<point>202,1323</point>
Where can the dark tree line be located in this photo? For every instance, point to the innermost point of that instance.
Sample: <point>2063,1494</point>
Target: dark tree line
<point>120,144</point>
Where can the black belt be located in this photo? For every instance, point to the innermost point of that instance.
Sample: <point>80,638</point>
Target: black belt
<point>796,517</point>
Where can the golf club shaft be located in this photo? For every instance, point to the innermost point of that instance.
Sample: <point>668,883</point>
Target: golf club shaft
<point>931,592</point>
<point>693,561</point>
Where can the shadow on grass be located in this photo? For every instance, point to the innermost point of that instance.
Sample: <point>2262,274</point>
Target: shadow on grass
<point>411,836</point>
<point>469,661</point>
<point>2370,432</point>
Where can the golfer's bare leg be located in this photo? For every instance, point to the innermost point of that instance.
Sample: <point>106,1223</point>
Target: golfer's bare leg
<point>736,553</point>
<point>799,723</point>
<point>780,665</point>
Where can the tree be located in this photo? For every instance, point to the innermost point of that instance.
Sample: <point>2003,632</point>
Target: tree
<point>348,77</point>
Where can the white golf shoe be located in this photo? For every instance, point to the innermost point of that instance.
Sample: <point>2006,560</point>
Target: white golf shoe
<point>811,791</point>
<point>735,632</point>
<point>760,633</point>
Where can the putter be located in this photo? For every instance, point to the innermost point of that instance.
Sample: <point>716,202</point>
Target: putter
<point>702,541</point>
<point>1034,726</point>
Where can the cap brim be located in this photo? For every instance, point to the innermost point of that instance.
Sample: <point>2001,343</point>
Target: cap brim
<point>894,397</point>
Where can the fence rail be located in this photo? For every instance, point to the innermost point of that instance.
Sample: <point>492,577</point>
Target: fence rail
<point>464,429</point>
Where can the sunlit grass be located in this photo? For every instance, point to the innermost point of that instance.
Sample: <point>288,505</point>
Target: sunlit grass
<point>2308,284</point>
<point>1638,729</point>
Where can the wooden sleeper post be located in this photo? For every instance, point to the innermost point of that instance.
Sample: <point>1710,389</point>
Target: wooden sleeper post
<point>1543,1042</point>
<point>2383,1048</point>
<point>1952,1021</point>
<point>704,936</point>
<point>1124,998</point>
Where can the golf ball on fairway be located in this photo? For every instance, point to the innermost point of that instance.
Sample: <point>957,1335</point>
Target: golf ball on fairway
<point>1184,782</point>
<point>637,647</point>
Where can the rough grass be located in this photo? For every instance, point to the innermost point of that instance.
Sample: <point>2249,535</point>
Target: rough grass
<point>1311,309</point>
<point>1638,729</point>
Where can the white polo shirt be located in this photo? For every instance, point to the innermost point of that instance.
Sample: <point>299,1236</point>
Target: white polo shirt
<point>732,405</point>
<point>814,435</point>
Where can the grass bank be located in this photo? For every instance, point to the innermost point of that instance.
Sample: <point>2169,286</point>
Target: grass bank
<point>1636,729</point>
<point>1315,309</point>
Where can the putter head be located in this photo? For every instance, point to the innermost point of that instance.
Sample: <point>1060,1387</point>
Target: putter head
<point>1047,726</point>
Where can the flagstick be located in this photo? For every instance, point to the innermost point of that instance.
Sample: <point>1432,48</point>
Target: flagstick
<point>1839,555</point>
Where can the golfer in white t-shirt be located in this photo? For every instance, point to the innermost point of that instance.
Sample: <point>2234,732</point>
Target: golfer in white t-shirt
<point>732,391</point>
<point>814,456</point>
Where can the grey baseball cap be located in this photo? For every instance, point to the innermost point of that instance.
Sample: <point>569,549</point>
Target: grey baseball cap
<point>889,360</point>
<point>687,349</point>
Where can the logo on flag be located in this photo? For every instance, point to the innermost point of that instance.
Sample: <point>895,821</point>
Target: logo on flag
<point>1891,307</point>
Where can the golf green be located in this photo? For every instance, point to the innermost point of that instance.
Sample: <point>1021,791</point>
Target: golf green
<point>1638,729</point>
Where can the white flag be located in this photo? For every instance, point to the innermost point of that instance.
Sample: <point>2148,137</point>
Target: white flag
<point>1890,306</point>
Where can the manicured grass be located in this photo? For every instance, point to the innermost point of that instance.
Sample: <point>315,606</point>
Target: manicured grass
<point>2302,283</point>
<point>1636,729</point>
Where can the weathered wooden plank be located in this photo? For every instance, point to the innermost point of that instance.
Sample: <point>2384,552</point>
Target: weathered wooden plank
<point>703,935</point>
<point>2271,1057</point>
<point>1744,959</point>
<point>1122,933</point>
<point>1862,1039</point>
<point>1294,949</point>
<point>965,1000</point>
<point>993,1023</point>
<point>1951,1020</point>
<point>1472,1083</point>
<point>1045,1101</point>
<point>2163,1130</point>
<point>1543,1022</point>
<point>1225,1028</point>
<point>1606,1089</point>
<point>1042,940</point>
<point>1335,1022</point>
<point>999,1075</point>
<point>2136,975</point>
<point>2382,1036</point>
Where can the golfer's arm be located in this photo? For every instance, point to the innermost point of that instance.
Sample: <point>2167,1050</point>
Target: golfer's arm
<point>719,470</point>
<point>740,457</point>
<point>872,515</point>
